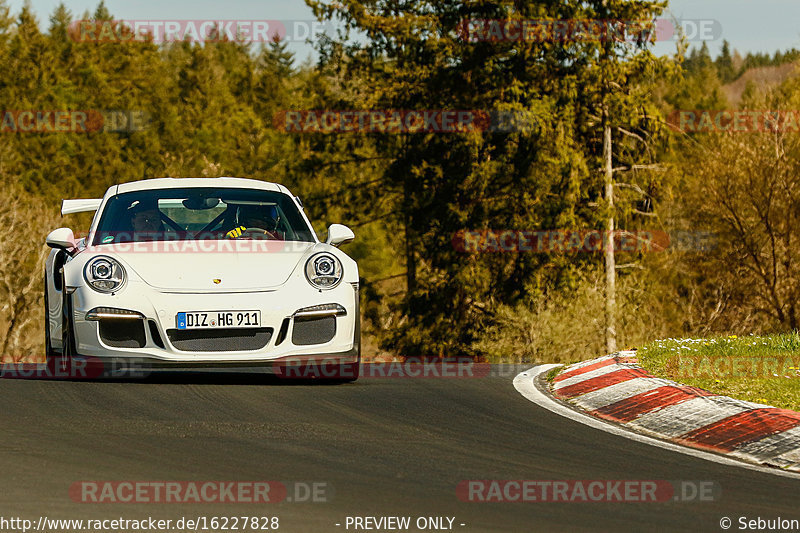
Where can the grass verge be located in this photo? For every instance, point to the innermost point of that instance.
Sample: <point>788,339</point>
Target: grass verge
<point>757,369</point>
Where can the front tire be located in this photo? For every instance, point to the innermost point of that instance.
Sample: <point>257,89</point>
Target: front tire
<point>67,332</point>
<point>349,372</point>
<point>49,352</point>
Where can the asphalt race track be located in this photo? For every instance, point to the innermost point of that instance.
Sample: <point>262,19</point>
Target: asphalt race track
<point>396,447</point>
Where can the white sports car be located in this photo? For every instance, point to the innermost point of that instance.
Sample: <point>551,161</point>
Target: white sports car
<point>215,272</point>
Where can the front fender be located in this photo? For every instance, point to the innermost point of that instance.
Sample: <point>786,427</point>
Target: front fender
<point>52,273</point>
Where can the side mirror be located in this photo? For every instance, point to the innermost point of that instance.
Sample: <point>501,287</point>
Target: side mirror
<point>339,234</point>
<point>61,238</point>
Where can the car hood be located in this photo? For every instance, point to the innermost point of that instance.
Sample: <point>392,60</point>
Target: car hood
<point>237,266</point>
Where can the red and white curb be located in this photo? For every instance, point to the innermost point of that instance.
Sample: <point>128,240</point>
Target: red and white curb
<point>617,389</point>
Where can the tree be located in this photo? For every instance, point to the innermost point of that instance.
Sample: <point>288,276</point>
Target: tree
<point>724,64</point>
<point>626,72</point>
<point>21,265</point>
<point>540,177</point>
<point>742,187</point>
<point>697,85</point>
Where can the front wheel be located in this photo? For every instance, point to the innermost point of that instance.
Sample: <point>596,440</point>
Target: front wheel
<point>349,372</point>
<point>49,353</point>
<point>67,333</point>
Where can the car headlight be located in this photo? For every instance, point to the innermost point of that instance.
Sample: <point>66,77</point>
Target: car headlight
<point>324,271</point>
<point>104,274</point>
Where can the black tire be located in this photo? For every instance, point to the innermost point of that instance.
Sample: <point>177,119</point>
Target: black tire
<point>354,369</point>
<point>49,352</point>
<point>351,370</point>
<point>67,332</point>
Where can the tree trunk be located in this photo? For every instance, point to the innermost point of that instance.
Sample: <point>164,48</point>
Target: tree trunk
<point>608,245</point>
<point>411,258</point>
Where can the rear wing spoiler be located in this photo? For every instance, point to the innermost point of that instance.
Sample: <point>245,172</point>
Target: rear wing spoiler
<point>79,206</point>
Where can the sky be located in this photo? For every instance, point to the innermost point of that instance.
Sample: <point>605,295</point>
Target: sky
<point>749,25</point>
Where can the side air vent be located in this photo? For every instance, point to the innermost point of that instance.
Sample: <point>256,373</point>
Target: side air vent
<point>155,335</point>
<point>283,331</point>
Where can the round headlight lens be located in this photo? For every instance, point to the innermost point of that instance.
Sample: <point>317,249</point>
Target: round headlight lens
<point>104,274</point>
<point>102,269</point>
<point>324,271</point>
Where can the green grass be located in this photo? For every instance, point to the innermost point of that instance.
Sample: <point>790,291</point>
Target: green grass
<point>758,369</point>
<point>554,372</point>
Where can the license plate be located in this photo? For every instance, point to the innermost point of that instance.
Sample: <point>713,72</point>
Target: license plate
<point>218,319</point>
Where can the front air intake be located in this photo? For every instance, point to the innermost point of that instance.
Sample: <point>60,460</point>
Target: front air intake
<point>219,340</point>
<point>122,332</point>
<point>308,331</point>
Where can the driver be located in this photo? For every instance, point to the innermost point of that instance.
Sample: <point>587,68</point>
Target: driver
<point>256,220</point>
<point>145,218</point>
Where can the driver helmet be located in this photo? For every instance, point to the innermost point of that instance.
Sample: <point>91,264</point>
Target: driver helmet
<point>258,216</point>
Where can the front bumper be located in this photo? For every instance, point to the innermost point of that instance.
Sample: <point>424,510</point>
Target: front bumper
<point>161,344</point>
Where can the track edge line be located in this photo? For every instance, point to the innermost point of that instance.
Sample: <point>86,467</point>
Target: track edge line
<point>529,385</point>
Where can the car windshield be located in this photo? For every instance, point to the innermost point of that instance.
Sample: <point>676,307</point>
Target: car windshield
<point>201,214</point>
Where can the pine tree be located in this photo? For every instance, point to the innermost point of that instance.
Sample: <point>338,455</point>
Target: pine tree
<point>724,64</point>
